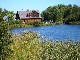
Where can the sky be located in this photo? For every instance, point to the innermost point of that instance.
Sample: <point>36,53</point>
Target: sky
<point>17,5</point>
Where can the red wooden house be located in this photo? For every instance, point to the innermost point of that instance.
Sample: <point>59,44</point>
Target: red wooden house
<point>29,16</point>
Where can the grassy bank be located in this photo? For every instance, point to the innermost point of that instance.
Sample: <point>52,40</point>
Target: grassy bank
<point>75,23</point>
<point>19,24</point>
<point>29,46</point>
<point>34,24</point>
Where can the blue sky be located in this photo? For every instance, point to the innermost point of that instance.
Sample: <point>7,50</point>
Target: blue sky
<point>15,5</point>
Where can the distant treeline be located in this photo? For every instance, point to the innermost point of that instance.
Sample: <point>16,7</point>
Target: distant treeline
<point>62,13</point>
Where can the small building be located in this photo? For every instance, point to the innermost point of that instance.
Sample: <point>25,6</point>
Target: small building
<point>8,17</point>
<point>5,18</point>
<point>29,16</point>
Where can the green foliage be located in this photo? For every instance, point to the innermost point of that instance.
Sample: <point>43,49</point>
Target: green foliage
<point>29,46</point>
<point>15,24</point>
<point>65,13</point>
<point>5,12</point>
<point>35,24</point>
<point>77,23</point>
<point>26,47</point>
<point>11,22</point>
<point>5,41</point>
<point>0,14</point>
<point>59,22</point>
<point>61,51</point>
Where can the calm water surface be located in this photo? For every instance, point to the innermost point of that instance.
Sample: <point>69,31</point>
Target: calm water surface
<point>60,32</point>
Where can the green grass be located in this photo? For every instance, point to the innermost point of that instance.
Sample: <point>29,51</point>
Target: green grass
<point>75,23</point>
<point>18,24</point>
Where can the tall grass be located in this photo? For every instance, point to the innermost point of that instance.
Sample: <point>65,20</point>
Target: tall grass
<point>29,46</point>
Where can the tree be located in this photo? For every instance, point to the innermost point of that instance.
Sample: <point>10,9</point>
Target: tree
<point>5,37</point>
<point>0,14</point>
<point>45,15</point>
<point>62,13</point>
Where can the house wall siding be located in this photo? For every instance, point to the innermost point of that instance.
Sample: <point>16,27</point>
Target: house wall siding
<point>31,20</point>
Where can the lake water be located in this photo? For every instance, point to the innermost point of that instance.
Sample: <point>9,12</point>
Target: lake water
<point>60,32</point>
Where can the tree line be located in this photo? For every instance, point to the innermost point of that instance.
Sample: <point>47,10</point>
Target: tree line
<point>62,13</point>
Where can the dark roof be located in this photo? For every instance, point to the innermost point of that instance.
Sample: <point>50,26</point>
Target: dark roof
<point>23,14</point>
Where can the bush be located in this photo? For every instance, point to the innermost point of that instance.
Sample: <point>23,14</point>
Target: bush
<point>61,51</point>
<point>11,22</point>
<point>59,22</point>
<point>35,24</point>
<point>26,47</point>
<point>29,46</point>
<point>5,41</point>
<point>75,23</point>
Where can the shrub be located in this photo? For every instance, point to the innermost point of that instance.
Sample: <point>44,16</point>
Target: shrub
<point>26,47</point>
<point>61,51</point>
<point>29,46</point>
<point>11,22</point>
<point>75,23</point>
<point>59,22</point>
<point>5,41</point>
<point>35,24</point>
